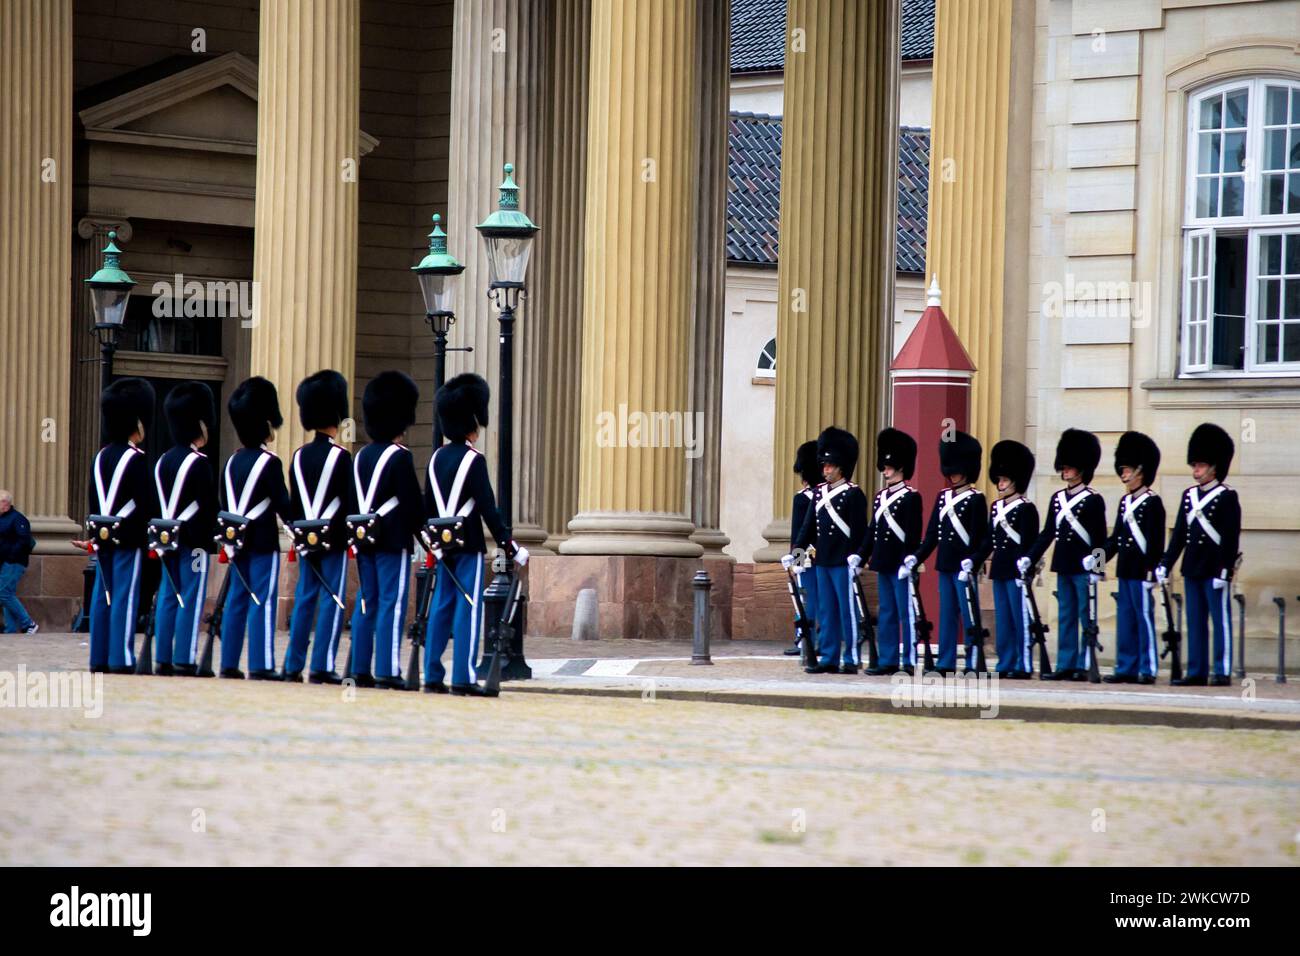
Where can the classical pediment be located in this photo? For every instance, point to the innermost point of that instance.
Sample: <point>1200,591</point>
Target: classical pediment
<point>209,106</point>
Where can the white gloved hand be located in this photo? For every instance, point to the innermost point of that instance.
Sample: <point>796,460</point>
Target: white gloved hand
<point>909,562</point>
<point>521,556</point>
<point>1022,565</point>
<point>1087,562</point>
<point>787,561</point>
<point>1162,574</point>
<point>1148,585</point>
<point>904,572</point>
<point>855,562</point>
<point>1220,583</point>
<point>967,566</point>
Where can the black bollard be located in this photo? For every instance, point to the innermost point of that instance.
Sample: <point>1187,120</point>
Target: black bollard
<point>703,587</point>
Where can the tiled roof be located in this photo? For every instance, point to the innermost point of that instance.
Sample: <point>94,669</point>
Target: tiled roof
<point>917,39</point>
<point>913,198</point>
<point>753,188</point>
<point>754,192</point>
<point>758,34</point>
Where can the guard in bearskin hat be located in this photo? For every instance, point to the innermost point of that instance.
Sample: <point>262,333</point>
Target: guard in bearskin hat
<point>893,532</point>
<point>459,488</point>
<point>1137,543</point>
<point>809,470</point>
<point>121,503</point>
<point>252,496</point>
<point>836,522</point>
<point>321,496</point>
<point>957,525</point>
<point>182,533</point>
<point>389,514</point>
<point>1207,533</point>
<point>1076,521</point>
<point>1012,530</point>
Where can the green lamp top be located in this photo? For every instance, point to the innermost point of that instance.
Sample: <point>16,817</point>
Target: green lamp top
<point>111,274</point>
<point>507,219</point>
<point>438,260</point>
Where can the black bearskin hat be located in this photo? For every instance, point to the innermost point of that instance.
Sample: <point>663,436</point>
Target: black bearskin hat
<point>1078,449</point>
<point>389,404</point>
<point>1211,444</point>
<point>322,400</point>
<point>961,456</point>
<point>462,405</point>
<point>805,463</point>
<point>254,411</point>
<point>835,446</point>
<point>1138,451</point>
<point>126,404</point>
<point>187,405</point>
<point>896,449</point>
<point>1013,461</point>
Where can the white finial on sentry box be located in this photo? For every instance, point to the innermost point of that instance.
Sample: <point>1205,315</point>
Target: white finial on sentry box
<point>932,294</point>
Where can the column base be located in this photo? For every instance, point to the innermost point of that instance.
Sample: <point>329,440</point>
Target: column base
<point>534,538</point>
<point>778,541</point>
<point>632,533</point>
<point>712,540</point>
<point>54,534</point>
<point>638,597</point>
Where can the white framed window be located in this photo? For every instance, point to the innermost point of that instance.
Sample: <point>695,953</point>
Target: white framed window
<point>1241,230</point>
<point>766,367</point>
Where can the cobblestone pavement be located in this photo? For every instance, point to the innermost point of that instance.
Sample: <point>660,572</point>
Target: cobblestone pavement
<point>222,772</point>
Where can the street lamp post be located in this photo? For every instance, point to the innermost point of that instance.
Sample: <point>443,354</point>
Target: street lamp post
<point>508,238</point>
<point>435,273</point>
<point>110,290</point>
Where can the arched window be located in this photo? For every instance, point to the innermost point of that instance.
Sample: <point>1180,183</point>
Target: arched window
<point>1241,235</point>
<point>767,361</point>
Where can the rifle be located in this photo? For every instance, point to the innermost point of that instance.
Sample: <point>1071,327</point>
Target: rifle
<point>505,627</point>
<point>804,626</point>
<point>423,601</point>
<point>1037,629</point>
<point>214,629</point>
<point>1091,644</point>
<point>866,624</point>
<point>1172,636</point>
<point>144,661</point>
<point>921,623</point>
<point>1240,669</point>
<point>976,632</point>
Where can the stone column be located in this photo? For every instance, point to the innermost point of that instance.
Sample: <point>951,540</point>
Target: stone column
<point>839,155</point>
<point>638,280</point>
<point>714,82</point>
<point>35,257</point>
<point>983,59</point>
<point>563,219</point>
<point>497,67</point>
<point>308,171</point>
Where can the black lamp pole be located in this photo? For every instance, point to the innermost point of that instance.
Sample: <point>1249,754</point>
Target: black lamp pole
<point>507,235</point>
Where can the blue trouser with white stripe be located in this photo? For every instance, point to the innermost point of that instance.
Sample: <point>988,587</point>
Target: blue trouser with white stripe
<point>262,572</point>
<point>312,605</point>
<point>1012,624</point>
<point>112,622</point>
<point>1207,604</point>
<point>894,623</point>
<point>453,617</point>
<point>1072,618</point>
<point>953,615</point>
<point>176,628</point>
<point>837,620</point>
<point>1135,630</point>
<point>383,578</point>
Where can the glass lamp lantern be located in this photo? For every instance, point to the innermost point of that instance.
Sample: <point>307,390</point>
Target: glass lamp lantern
<point>435,273</point>
<point>508,236</point>
<point>110,290</point>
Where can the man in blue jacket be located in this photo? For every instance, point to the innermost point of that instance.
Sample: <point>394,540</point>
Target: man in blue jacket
<point>16,544</point>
